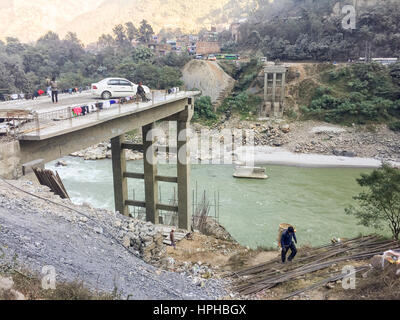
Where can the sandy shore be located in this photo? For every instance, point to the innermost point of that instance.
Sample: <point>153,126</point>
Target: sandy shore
<point>280,156</point>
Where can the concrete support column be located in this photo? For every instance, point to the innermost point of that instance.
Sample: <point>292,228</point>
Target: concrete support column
<point>183,163</point>
<point>120,182</point>
<point>274,94</point>
<point>266,87</point>
<point>283,93</point>
<point>150,173</point>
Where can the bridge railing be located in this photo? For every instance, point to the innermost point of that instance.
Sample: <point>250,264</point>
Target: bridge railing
<point>64,118</point>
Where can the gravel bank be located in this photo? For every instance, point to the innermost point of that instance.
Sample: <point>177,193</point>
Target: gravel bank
<point>86,248</point>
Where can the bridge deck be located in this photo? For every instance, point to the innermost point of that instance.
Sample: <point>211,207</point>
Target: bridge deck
<point>44,104</point>
<point>50,124</point>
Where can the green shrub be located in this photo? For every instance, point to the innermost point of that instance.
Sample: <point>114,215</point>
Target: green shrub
<point>203,109</point>
<point>395,126</point>
<point>243,103</point>
<point>361,93</point>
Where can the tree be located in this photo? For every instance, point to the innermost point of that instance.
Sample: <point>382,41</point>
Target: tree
<point>380,203</point>
<point>142,53</point>
<point>49,38</point>
<point>120,36</point>
<point>131,31</point>
<point>14,46</point>
<point>105,41</point>
<point>73,46</point>
<point>145,32</point>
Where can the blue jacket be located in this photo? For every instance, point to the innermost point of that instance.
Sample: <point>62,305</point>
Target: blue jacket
<point>287,239</point>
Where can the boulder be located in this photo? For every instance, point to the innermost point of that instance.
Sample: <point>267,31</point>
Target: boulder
<point>6,283</point>
<point>378,262</point>
<point>285,128</point>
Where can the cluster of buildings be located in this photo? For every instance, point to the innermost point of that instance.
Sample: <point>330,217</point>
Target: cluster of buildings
<point>206,42</point>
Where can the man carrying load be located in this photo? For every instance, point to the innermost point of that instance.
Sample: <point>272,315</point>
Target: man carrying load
<point>287,243</point>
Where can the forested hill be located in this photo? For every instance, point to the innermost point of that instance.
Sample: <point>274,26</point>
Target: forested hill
<point>312,30</point>
<point>89,19</point>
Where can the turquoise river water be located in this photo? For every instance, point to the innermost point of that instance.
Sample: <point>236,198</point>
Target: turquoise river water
<point>251,210</point>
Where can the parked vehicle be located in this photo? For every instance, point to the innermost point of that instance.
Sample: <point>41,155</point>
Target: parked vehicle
<point>199,57</point>
<point>232,57</point>
<point>115,88</point>
<point>212,57</point>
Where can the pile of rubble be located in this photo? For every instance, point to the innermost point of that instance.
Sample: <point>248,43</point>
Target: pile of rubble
<point>199,272</point>
<point>103,151</point>
<point>143,238</point>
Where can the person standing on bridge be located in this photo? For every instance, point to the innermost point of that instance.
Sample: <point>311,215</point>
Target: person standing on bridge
<point>287,243</point>
<point>141,92</point>
<point>54,90</point>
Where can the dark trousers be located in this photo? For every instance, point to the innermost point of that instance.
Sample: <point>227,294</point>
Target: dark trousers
<point>285,250</point>
<point>54,96</point>
<point>143,96</point>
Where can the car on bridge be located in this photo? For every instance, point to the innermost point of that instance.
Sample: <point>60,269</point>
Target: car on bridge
<point>115,88</point>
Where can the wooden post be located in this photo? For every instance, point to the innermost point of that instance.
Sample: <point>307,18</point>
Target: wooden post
<point>120,182</point>
<point>183,163</point>
<point>150,173</point>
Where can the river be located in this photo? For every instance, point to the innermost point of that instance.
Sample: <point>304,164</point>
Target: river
<point>312,199</point>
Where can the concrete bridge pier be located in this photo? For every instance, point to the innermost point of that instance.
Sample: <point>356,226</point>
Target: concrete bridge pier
<point>274,91</point>
<point>150,174</point>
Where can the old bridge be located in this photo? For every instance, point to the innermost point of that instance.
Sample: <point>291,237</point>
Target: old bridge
<point>54,134</point>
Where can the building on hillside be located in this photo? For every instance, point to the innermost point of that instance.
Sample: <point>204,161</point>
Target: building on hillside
<point>222,27</point>
<point>160,49</point>
<point>207,47</point>
<point>209,36</point>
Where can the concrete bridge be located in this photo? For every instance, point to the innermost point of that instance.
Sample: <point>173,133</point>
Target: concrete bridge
<point>48,140</point>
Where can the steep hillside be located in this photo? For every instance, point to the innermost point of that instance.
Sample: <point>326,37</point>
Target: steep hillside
<point>28,20</point>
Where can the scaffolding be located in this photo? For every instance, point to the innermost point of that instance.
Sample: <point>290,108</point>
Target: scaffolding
<point>203,206</point>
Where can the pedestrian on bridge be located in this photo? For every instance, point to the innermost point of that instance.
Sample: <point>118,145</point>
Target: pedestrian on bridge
<point>287,243</point>
<point>141,92</point>
<point>54,90</point>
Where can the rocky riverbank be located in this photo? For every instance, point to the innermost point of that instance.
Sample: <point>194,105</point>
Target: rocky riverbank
<point>300,137</point>
<point>103,151</point>
<point>313,137</point>
<point>103,249</point>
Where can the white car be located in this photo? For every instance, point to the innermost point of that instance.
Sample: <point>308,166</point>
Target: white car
<point>116,88</point>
